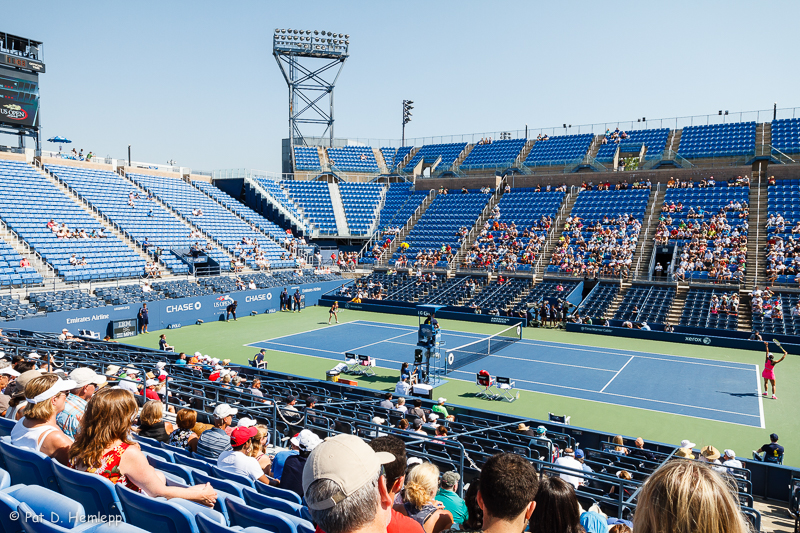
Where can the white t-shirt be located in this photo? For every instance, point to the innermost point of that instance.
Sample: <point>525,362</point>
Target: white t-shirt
<point>239,463</point>
<point>570,462</point>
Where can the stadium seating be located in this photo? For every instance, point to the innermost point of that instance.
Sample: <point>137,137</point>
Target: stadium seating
<point>497,297</point>
<point>270,228</point>
<point>314,198</point>
<point>787,324</point>
<point>53,301</point>
<point>279,193</point>
<point>781,267</point>
<point>306,158</point>
<point>109,193</point>
<point>495,154</point>
<point>655,140</point>
<point>28,201</point>
<point>561,149</point>
<point>439,225</point>
<point>12,309</point>
<point>216,221</point>
<point>645,303</point>
<point>718,140</point>
<point>388,156</point>
<point>594,245</point>
<point>11,274</point>
<point>702,309</point>
<point>431,152</point>
<point>598,301</point>
<point>401,202</point>
<point>353,159</point>
<point>399,155</point>
<point>786,135</point>
<point>360,202</point>
<point>700,207</point>
<point>547,289</point>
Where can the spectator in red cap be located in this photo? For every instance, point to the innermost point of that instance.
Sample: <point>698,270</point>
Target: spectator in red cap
<point>238,460</point>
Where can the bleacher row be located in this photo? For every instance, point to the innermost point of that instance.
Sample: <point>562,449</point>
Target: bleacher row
<point>41,485</point>
<point>707,141</point>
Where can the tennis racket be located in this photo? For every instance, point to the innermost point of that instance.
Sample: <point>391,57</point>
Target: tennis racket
<point>777,343</point>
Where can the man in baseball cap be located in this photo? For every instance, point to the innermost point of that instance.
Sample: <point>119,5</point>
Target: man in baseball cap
<point>88,381</point>
<point>447,495</point>
<point>345,486</point>
<point>238,460</point>
<point>292,476</point>
<point>216,440</point>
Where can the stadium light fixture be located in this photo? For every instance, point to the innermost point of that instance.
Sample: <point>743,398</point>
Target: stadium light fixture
<point>407,107</point>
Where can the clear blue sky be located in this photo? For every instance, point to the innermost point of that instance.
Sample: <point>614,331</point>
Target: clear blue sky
<point>196,81</point>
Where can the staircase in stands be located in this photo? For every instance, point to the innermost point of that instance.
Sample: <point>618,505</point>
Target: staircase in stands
<point>523,155</point>
<point>757,234</point>
<point>407,158</point>
<point>676,309</point>
<point>609,314</point>
<point>338,210</point>
<point>674,140</point>
<point>462,156</point>
<point>23,248</point>
<point>644,248</point>
<point>184,220</point>
<point>382,167</point>
<point>764,134</point>
<point>475,231</point>
<point>108,224</point>
<point>298,223</point>
<point>406,229</point>
<point>324,162</point>
<point>555,232</point>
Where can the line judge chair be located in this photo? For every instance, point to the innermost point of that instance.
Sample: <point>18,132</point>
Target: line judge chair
<point>351,360</point>
<point>485,383</point>
<point>366,365</point>
<point>506,388</point>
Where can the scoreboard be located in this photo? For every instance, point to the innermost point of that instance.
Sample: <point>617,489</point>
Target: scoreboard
<point>19,97</point>
<point>124,328</point>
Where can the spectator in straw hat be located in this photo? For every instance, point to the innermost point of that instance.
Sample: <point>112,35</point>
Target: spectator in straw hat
<point>525,429</point>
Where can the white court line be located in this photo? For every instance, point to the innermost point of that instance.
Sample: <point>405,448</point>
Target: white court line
<point>256,343</point>
<point>378,342</point>
<point>760,398</point>
<point>626,396</point>
<point>617,374</point>
<point>305,348</point>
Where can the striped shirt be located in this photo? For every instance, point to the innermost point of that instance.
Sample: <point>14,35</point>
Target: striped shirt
<point>69,420</point>
<point>213,442</point>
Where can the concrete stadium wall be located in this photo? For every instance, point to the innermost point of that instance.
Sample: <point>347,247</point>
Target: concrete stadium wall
<point>183,311</point>
<point>74,163</point>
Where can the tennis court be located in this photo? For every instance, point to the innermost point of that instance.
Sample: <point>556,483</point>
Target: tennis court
<point>700,388</point>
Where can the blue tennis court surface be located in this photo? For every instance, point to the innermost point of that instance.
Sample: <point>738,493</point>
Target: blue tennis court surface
<point>701,388</point>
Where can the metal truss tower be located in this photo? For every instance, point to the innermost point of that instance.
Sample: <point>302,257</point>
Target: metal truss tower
<point>310,62</point>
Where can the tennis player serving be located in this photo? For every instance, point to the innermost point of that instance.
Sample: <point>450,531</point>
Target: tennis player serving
<point>769,369</point>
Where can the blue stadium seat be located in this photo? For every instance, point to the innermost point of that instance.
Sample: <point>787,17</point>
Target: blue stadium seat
<point>95,493</point>
<point>244,516</point>
<point>52,506</point>
<point>28,466</point>
<point>154,515</point>
<point>431,152</point>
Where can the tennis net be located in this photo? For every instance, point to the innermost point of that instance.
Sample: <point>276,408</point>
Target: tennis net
<point>473,351</point>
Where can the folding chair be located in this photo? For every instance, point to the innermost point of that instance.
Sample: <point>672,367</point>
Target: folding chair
<point>351,360</point>
<point>486,385</point>
<point>506,388</point>
<point>561,419</point>
<point>366,365</point>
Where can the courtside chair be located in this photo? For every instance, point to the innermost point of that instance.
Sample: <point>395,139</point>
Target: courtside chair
<point>95,493</point>
<point>561,419</point>
<point>28,466</point>
<point>485,383</point>
<point>506,388</point>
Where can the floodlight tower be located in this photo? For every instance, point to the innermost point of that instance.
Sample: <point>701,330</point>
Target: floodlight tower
<point>310,62</point>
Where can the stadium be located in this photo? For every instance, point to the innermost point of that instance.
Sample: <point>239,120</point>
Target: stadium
<point>594,298</point>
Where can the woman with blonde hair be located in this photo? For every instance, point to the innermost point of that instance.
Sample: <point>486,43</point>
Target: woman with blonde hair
<point>259,448</point>
<point>103,447</point>
<point>37,430</point>
<point>619,449</point>
<point>688,497</point>
<point>152,424</point>
<point>419,502</point>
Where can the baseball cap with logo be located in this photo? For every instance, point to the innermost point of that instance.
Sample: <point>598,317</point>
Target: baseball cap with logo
<point>347,461</point>
<point>84,376</point>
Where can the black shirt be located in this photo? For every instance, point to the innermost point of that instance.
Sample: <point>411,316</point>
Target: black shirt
<point>773,450</point>
<point>292,476</point>
<point>642,454</point>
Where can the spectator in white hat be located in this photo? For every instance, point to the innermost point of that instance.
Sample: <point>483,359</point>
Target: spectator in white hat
<point>729,459</point>
<point>441,410</point>
<point>292,477</point>
<point>129,381</point>
<point>216,440</point>
<point>88,381</point>
<point>38,430</point>
<point>150,390</point>
<point>345,488</point>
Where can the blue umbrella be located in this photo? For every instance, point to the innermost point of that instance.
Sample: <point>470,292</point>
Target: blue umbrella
<point>59,140</point>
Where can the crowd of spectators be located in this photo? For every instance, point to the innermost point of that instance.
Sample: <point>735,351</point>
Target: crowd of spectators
<point>738,181</point>
<point>620,186</point>
<point>601,248</point>
<point>501,246</point>
<point>769,304</point>
<point>63,232</point>
<point>782,254</point>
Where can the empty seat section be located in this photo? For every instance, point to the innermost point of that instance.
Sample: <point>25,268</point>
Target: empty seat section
<point>353,159</point>
<point>786,135</point>
<point>11,273</point>
<point>399,155</point>
<point>388,156</point>
<point>646,304</point>
<point>501,153</point>
<point>274,188</point>
<point>431,153</point>
<point>655,141</point>
<point>306,158</point>
<point>561,149</point>
<point>314,199</point>
<point>216,221</point>
<point>718,140</point>
<point>441,225</point>
<point>598,301</point>
<point>28,201</point>
<point>361,202</point>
